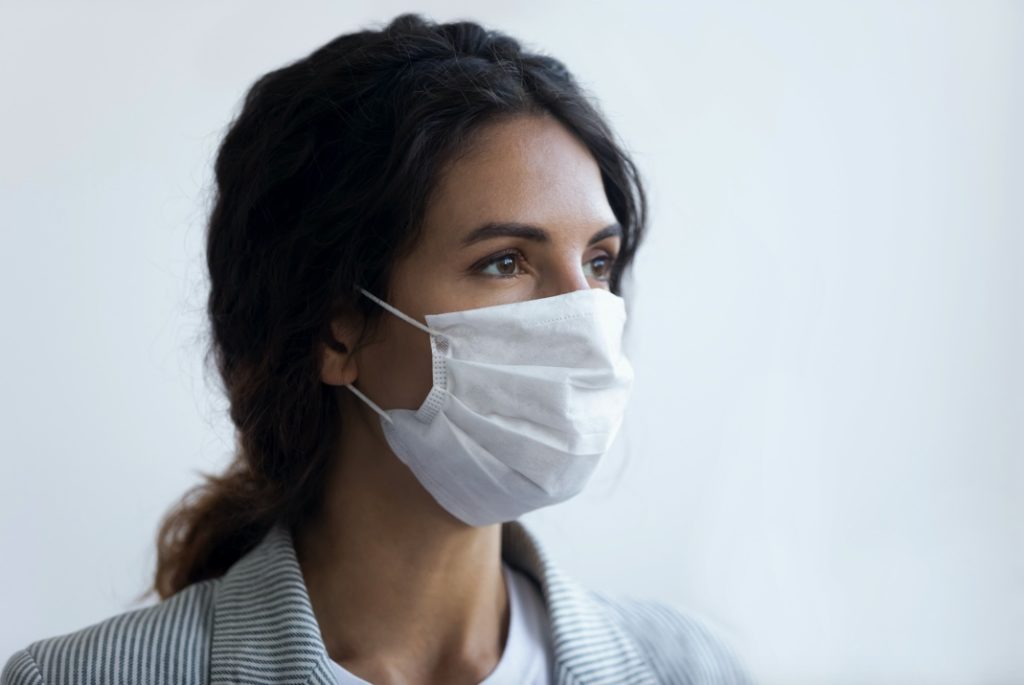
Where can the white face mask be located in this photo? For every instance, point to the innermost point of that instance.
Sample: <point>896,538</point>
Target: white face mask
<point>526,399</point>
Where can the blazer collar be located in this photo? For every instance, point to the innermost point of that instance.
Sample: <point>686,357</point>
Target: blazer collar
<point>264,630</point>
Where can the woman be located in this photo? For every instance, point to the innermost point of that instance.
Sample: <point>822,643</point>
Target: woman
<point>415,251</point>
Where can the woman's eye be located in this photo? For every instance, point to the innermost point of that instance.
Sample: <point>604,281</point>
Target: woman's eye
<point>506,265</point>
<point>600,268</point>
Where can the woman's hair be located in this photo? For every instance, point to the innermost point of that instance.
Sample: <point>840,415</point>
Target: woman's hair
<point>322,180</point>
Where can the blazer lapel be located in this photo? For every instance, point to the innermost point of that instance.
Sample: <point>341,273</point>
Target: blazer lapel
<point>264,630</point>
<point>590,648</point>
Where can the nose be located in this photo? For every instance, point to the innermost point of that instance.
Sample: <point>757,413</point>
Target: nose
<point>567,277</point>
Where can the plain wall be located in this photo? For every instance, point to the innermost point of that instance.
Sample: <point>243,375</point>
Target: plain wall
<point>823,454</point>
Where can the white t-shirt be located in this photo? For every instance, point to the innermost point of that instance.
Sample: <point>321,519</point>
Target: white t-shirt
<point>527,658</point>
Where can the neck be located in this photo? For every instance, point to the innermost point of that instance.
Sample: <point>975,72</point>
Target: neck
<point>401,589</point>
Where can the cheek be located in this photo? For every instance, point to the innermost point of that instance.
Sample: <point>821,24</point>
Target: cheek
<point>396,372</point>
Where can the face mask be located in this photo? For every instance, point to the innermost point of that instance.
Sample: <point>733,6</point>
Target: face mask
<point>526,399</point>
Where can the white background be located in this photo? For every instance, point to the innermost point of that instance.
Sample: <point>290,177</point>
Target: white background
<point>824,452</point>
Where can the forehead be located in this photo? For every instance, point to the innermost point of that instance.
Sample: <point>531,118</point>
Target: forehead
<point>529,169</point>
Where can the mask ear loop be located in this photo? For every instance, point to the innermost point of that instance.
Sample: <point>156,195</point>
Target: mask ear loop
<point>401,315</point>
<point>373,405</point>
<point>404,317</point>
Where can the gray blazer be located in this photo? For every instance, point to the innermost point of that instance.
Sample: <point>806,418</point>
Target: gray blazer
<point>255,625</point>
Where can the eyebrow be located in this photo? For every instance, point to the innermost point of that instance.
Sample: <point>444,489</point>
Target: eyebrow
<point>512,229</point>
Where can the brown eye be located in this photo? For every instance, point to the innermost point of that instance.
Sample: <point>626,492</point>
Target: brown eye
<point>506,265</point>
<point>600,268</point>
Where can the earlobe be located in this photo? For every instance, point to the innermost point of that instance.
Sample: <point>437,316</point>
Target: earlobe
<point>337,362</point>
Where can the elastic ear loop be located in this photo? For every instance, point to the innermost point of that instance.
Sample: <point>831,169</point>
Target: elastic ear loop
<point>373,405</point>
<point>404,317</point>
<point>401,315</point>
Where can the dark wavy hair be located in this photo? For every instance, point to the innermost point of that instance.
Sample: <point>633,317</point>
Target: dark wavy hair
<point>322,180</point>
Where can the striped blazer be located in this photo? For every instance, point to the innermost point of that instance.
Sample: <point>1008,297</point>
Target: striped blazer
<point>255,625</point>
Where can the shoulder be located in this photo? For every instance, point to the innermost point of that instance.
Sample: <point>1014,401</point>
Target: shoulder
<point>680,647</point>
<point>163,643</point>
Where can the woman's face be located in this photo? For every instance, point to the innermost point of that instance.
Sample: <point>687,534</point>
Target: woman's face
<point>522,216</point>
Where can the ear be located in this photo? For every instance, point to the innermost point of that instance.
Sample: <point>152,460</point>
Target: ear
<point>337,363</point>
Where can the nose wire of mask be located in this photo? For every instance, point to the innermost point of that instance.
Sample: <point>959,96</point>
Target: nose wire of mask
<point>404,317</point>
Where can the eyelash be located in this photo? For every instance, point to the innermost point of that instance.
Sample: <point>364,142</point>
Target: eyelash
<point>493,259</point>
